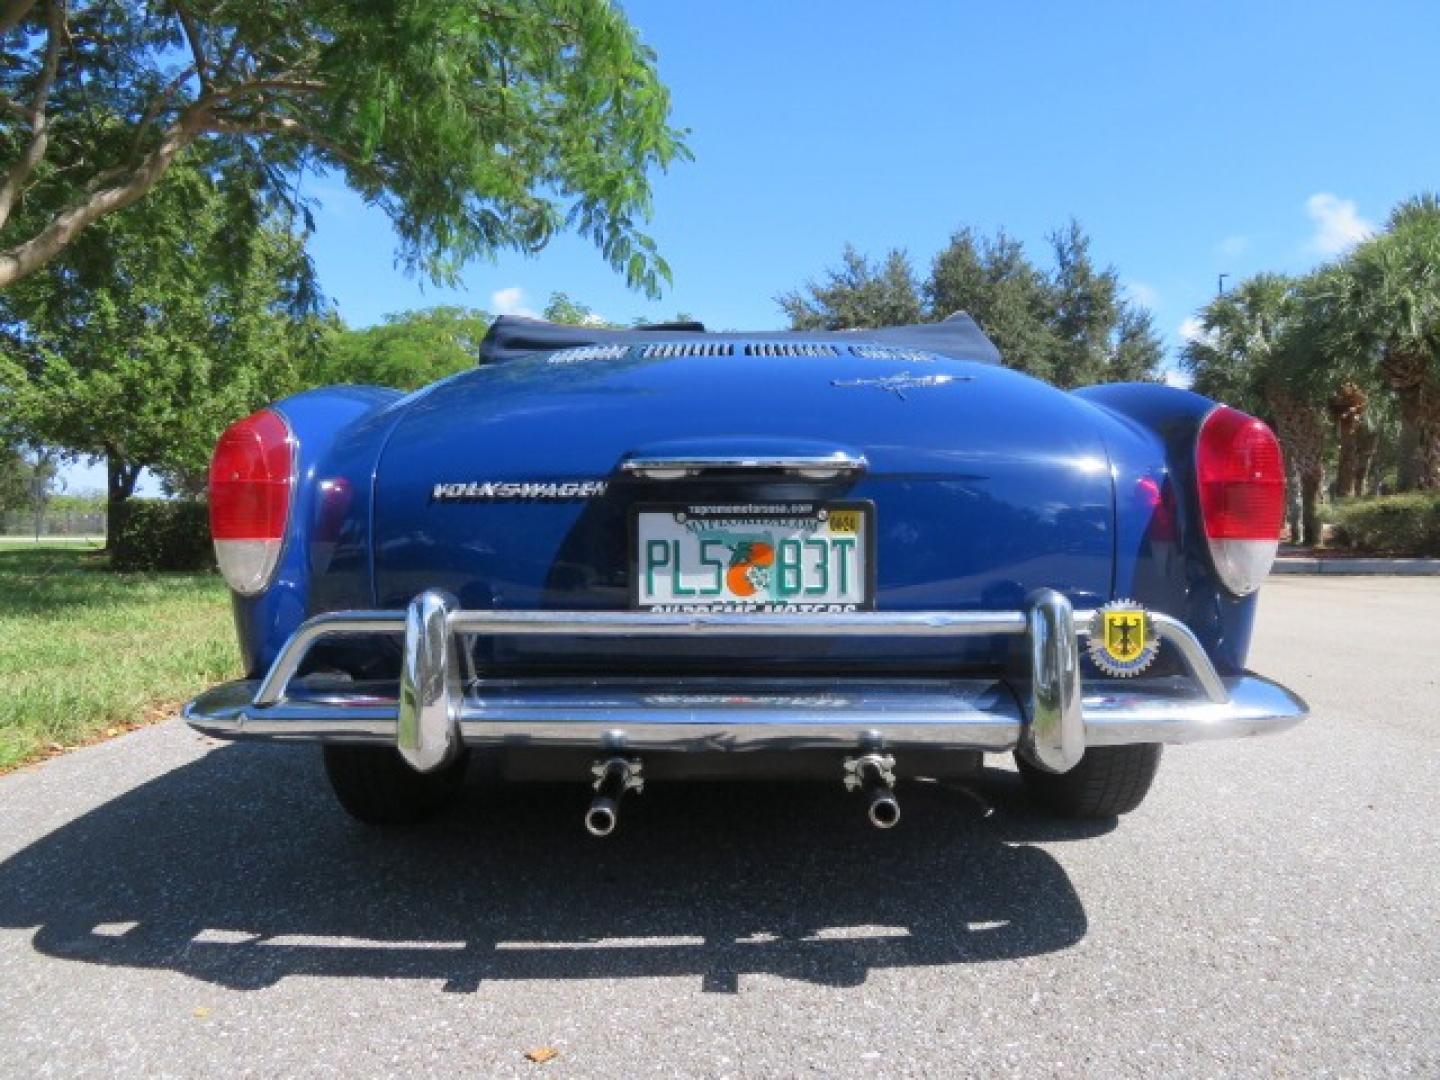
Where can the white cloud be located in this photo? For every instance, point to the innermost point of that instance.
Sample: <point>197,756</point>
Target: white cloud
<point>1232,246</point>
<point>1141,293</point>
<point>1191,329</point>
<point>1176,377</point>
<point>511,301</point>
<point>1338,224</point>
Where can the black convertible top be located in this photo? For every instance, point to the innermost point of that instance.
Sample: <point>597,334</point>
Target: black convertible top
<point>510,336</point>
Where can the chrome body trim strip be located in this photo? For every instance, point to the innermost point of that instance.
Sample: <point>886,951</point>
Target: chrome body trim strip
<point>812,466</point>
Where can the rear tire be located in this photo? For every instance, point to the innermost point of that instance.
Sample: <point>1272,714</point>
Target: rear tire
<point>1109,780</point>
<point>376,786</point>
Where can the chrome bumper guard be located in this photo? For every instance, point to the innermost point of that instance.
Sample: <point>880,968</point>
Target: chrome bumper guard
<point>1051,719</point>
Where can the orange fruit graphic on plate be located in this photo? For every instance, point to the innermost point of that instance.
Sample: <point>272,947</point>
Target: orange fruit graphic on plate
<point>750,568</point>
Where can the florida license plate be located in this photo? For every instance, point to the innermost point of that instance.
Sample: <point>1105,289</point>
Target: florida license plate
<point>754,557</point>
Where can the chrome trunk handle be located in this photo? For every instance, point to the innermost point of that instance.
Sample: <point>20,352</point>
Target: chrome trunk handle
<point>805,466</point>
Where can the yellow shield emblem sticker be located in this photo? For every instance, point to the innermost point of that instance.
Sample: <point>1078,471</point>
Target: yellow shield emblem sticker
<point>1122,639</point>
<point>1124,635</point>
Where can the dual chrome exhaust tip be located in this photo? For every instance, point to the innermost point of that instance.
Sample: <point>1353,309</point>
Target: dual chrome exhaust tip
<point>872,773</point>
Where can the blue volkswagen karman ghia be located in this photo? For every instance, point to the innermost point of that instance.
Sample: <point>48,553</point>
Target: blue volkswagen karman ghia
<point>664,554</point>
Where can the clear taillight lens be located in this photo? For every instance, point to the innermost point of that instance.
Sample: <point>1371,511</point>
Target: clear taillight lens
<point>1241,477</point>
<point>251,476</point>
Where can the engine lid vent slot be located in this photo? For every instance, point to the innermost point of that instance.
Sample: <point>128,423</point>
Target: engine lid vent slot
<point>668,349</point>
<point>790,348</point>
<point>588,352</point>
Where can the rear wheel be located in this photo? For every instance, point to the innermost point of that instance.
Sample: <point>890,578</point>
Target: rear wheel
<point>1109,780</point>
<point>376,786</point>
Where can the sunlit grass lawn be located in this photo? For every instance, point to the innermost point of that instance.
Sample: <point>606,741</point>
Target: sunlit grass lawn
<point>84,651</point>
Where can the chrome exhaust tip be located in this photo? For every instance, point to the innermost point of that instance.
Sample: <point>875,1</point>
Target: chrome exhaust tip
<point>874,774</point>
<point>884,810</point>
<point>613,778</point>
<point>602,817</point>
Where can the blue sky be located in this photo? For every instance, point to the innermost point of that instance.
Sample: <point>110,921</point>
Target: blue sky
<point>1189,139</point>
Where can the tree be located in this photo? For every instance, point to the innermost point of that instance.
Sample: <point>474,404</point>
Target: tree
<point>1099,336</point>
<point>994,282</point>
<point>1069,325</point>
<point>410,349</point>
<point>1384,301</point>
<point>561,308</point>
<point>474,127</point>
<point>13,478</point>
<point>1136,350</point>
<point>857,295</point>
<point>1258,353</point>
<point>154,332</point>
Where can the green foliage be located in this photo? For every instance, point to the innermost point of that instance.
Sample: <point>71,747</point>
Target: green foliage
<point>562,309</point>
<point>157,329</point>
<point>82,650</point>
<point>1398,524</point>
<point>1098,336</point>
<point>994,282</point>
<point>857,294</point>
<point>410,349</point>
<point>77,503</point>
<point>1384,298</point>
<point>1365,329</point>
<point>162,534</point>
<point>14,479</point>
<point>475,127</point>
<point>1069,325</point>
<point>1242,345</point>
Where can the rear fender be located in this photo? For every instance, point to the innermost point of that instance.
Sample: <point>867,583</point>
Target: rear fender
<point>325,564</point>
<point>1161,557</point>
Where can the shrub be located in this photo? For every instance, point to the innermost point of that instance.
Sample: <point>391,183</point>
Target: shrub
<point>162,534</point>
<point>1397,524</point>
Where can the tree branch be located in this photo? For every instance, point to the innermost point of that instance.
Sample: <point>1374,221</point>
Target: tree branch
<point>12,13</point>
<point>34,151</point>
<point>24,258</point>
<point>197,47</point>
<point>157,106</point>
<point>279,125</point>
<point>260,86</point>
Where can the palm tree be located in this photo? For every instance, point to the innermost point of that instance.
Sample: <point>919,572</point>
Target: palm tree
<point>1256,352</point>
<point>1386,301</point>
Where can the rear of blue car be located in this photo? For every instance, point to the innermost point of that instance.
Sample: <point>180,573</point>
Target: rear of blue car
<point>661,558</point>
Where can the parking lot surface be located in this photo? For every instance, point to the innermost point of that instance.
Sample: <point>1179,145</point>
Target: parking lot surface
<point>174,906</point>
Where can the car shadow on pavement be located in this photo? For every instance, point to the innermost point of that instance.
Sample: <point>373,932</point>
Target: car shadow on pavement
<point>240,869</point>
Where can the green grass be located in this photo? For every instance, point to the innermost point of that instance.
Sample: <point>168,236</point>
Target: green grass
<point>84,651</point>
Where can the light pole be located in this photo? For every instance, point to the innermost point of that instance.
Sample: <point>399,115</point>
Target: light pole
<point>1220,285</point>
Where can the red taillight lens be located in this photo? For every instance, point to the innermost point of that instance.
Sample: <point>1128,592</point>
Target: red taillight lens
<point>1240,474</point>
<point>1242,477</point>
<point>251,476</point>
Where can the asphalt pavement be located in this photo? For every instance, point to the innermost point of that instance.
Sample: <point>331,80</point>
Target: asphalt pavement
<point>174,906</point>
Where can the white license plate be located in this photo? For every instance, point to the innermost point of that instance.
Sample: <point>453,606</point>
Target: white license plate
<point>814,558</point>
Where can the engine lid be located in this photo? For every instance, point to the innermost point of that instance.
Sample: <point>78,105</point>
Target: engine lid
<point>513,485</point>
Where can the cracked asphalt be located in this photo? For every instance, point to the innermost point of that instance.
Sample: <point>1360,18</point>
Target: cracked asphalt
<point>174,906</point>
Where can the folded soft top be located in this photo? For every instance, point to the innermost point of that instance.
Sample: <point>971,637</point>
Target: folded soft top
<point>509,337</point>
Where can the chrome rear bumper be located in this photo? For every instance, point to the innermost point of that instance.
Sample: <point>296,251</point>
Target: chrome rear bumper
<point>435,708</point>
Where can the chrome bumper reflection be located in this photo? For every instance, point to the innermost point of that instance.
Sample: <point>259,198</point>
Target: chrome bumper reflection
<point>689,715</point>
<point>1050,717</point>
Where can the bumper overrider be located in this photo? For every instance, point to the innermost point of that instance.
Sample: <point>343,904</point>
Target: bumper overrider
<point>439,705</point>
